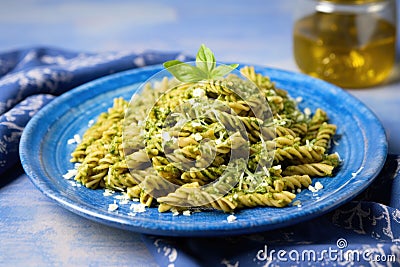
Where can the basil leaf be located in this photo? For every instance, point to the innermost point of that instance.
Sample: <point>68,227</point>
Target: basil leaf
<point>185,72</point>
<point>205,67</point>
<point>205,59</point>
<point>172,63</point>
<point>222,70</point>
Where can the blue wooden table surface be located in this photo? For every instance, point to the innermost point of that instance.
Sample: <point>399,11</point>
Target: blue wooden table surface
<point>35,231</point>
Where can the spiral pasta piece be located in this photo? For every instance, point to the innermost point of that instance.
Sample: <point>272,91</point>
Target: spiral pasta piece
<point>279,199</point>
<point>296,181</point>
<point>302,154</point>
<point>300,129</point>
<point>217,87</point>
<point>284,131</point>
<point>283,141</point>
<point>188,195</point>
<point>324,135</point>
<point>202,176</point>
<point>315,123</point>
<point>311,169</point>
<point>261,81</point>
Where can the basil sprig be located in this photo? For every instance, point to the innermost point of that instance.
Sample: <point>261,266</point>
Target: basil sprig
<point>206,67</point>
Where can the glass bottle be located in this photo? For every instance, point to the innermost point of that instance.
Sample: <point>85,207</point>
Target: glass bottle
<point>351,43</point>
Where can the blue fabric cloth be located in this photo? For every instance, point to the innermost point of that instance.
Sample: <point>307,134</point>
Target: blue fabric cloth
<point>31,78</point>
<point>364,232</point>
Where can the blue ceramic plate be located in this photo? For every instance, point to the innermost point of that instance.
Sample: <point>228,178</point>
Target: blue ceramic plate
<point>362,146</point>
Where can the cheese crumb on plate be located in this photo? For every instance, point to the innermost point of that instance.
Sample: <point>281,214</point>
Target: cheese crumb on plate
<point>231,218</point>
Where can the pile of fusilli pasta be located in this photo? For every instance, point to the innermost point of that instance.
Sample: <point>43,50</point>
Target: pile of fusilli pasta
<point>249,161</point>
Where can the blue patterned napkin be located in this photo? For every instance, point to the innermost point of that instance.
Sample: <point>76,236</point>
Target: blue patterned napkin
<point>364,232</point>
<point>31,78</point>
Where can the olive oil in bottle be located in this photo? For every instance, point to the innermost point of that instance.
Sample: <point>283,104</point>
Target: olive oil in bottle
<point>352,50</point>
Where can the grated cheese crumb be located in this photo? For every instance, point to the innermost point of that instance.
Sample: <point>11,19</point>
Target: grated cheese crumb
<point>297,203</point>
<point>138,207</point>
<point>196,124</point>
<point>113,206</point>
<point>123,199</point>
<point>77,138</point>
<point>309,145</point>
<point>199,92</point>
<point>307,111</point>
<point>90,123</point>
<point>70,174</point>
<point>175,212</point>
<point>197,136</point>
<point>231,218</point>
<point>71,141</point>
<point>277,167</point>
<point>108,192</point>
<point>312,189</point>
<point>186,213</point>
<point>318,186</point>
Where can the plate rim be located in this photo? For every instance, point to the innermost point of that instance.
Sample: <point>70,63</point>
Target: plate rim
<point>233,229</point>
